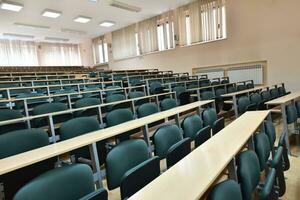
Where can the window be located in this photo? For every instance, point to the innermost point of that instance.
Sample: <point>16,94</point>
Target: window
<point>103,53</point>
<point>188,29</point>
<point>165,36</point>
<point>138,51</point>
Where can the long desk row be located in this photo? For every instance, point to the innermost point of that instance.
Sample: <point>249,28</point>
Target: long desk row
<point>191,177</point>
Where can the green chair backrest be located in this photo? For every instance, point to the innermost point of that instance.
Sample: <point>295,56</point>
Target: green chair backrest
<point>7,114</point>
<point>87,102</point>
<point>136,94</point>
<point>249,85</point>
<point>49,108</point>
<point>297,104</point>
<point>164,138</point>
<point>179,90</point>
<point>147,109</point>
<point>115,97</point>
<point>271,132</point>
<point>291,113</point>
<point>243,103</point>
<point>207,95</point>
<point>191,125</point>
<point>220,92</point>
<point>231,89</point>
<point>155,86</point>
<point>274,93</point>
<point>281,91</point>
<point>255,98</point>
<point>118,116</point>
<point>241,87</point>
<point>209,116</point>
<point>19,141</point>
<point>123,157</point>
<point>248,173</point>
<point>68,182</point>
<point>265,95</point>
<point>168,104</point>
<point>111,92</point>
<point>262,149</point>
<point>226,190</point>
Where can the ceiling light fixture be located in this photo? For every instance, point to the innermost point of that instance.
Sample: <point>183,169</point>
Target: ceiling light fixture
<point>51,13</point>
<point>82,19</point>
<point>18,35</point>
<point>12,6</point>
<point>66,30</point>
<point>22,25</point>
<point>57,39</point>
<point>107,23</point>
<point>124,6</point>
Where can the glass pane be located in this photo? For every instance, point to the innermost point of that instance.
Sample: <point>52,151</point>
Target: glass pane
<point>101,53</point>
<point>188,30</point>
<point>105,52</point>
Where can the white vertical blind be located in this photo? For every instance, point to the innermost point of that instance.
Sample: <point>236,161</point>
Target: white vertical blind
<point>249,72</point>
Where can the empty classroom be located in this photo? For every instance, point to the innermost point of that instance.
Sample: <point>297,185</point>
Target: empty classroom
<point>143,100</point>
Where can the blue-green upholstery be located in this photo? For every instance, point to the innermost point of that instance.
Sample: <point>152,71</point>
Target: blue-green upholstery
<point>87,102</point>
<point>8,114</point>
<point>156,87</point>
<point>147,109</point>
<point>243,104</point>
<point>291,113</point>
<point>249,85</point>
<point>113,90</point>
<point>297,104</point>
<point>168,104</point>
<point>256,99</point>
<point>191,125</point>
<point>271,132</point>
<point>231,89</point>
<point>178,151</point>
<point>136,94</point>
<point>49,108</point>
<point>30,102</point>
<point>118,116</point>
<point>114,98</point>
<point>207,95</point>
<point>282,91</point>
<point>262,149</point>
<point>209,116</point>
<point>215,83</point>
<point>274,93</point>
<point>266,95</point>
<point>241,87</point>
<point>179,90</point>
<point>164,138</point>
<point>226,190</point>
<point>248,173</point>
<point>202,136</point>
<point>125,156</point>
<point>69,182</point>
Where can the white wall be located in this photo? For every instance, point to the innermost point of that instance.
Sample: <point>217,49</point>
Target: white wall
<point>257,30</point>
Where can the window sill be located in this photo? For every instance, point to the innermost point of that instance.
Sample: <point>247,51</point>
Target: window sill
<point>199,43</point>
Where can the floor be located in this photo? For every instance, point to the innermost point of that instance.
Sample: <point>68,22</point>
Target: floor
<point>292,175</point>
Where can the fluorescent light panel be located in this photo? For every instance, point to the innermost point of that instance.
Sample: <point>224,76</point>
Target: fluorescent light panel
<point>12,6</point>
<point>51,13</point>
<point>107,23</point>
<point>18,35</point>
<point>57,39</point>
<point>31,26</point>
<point>66,30</point>
<point>82,19</point>
<point>124,6</point>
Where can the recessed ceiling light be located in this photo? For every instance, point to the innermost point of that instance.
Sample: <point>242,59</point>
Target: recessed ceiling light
<point>31,26</point>
<point>124,6</point>
<point>18,35</point>
<point>107,23</point>
<point>12,6</point>
<point>82,19</point>
<point>57,39</point>
<point>51,13</point>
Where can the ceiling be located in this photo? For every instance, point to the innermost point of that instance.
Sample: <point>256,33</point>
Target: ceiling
<point>98,11</point>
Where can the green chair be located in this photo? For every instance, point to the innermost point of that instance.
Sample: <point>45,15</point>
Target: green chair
<point>274,93</point>
<point>115,98</point>
<point>249,85</point>
<point>137,94</point>
<point>248,170</point>
<point>225,81</point>
<point>282,91</point>
<point>115,89</point>
<point>220,100</point>
<point>241,87</point>
<point>118,161</point>
<point>71,182</point>
<point>119,116</point>
<point>16,142</point>
<point>80,126</point>
<point>291,113</point>
<point>216,82</point>
<point>139,176</point>
<point>210,118</point>
<point>169,144</point>
<point>231,89</point>
<point>266,95</point>
<point>30,102</point>
<point>49,108</point>
<point>156,87</point>
<point>168,104</point>
<point>256,99</point>
<point>64,99</point>
<point>204,82</point>
<point>202,136</point>
<point>147,109</point>
<point>85,102</point>
<point>182,95</point>
<point>191,125</point>
<point>207,95</point>
<point>297,104</point>
<point>244,104</point>
<point>263,149</point>
<point>9,114</point>
<point>226,190</point>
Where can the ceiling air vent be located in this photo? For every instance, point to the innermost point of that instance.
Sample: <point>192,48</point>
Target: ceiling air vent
<point>124,6</point>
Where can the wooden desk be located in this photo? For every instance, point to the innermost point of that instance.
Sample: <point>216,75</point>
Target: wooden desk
<point>283,101</point>
<point>190,178</point>
<point>30,157</point>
